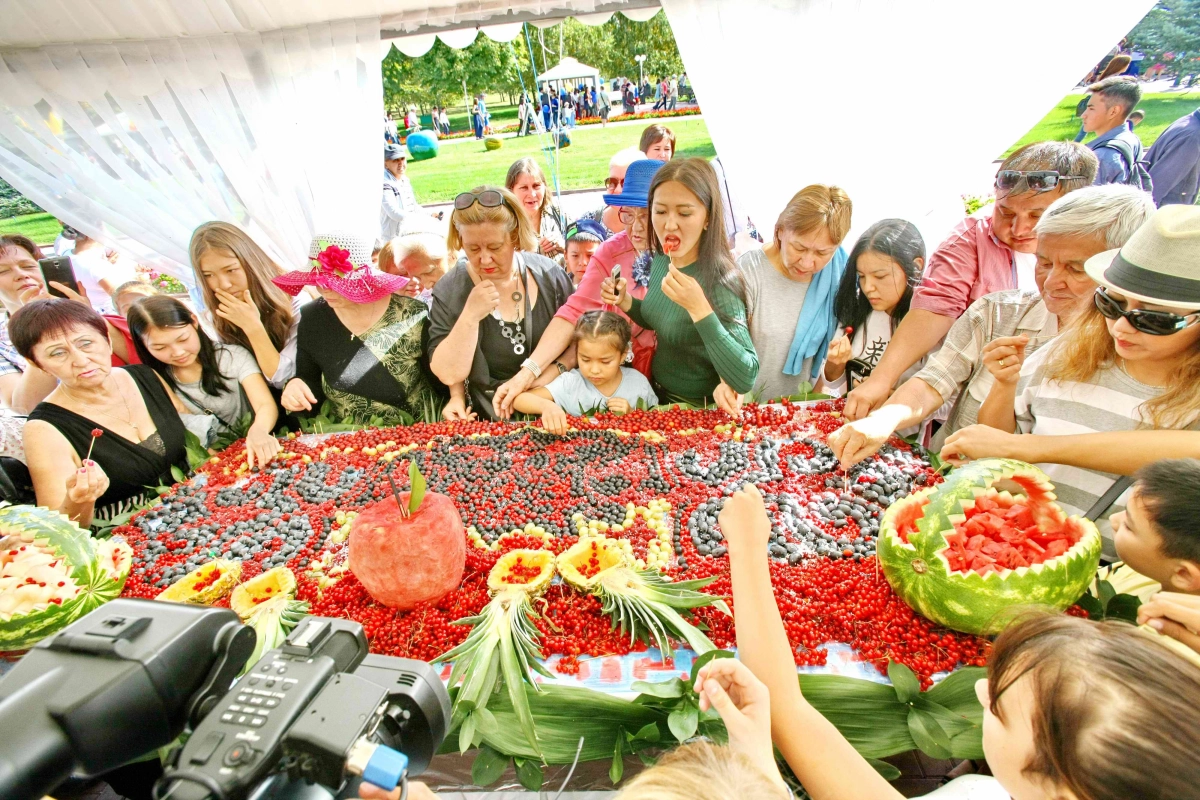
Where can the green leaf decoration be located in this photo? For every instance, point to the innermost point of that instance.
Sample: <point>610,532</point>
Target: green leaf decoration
<point>1123,607</point>
<point>1092,606</point>
<point>928,733</point>
<point>488,766</point>
<point>617,770</point>
<point>700,662</point>
<point>485,721</point>
<point>683,722</point>
<point>530,774</point>
<point>1106,593</point>
<point>466,733</point>
<point>416,483</point>
<point>178,474</point>
<point>648,733</point>
<point>904,682</point>
<point>667,689</point>
<point>889,772</point>
<point>197,453</point>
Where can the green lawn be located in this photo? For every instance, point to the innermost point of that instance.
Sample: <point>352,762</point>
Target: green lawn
<point>42,228</point>
<point>583,165</point>
<point>1061,124</point>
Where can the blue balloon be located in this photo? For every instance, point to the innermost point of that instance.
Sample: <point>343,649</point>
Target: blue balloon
<point>422,145</point>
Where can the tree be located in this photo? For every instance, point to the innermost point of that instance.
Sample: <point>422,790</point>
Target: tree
<point>1170,32</point>
<point>437,77</point>
<point>653,38</point>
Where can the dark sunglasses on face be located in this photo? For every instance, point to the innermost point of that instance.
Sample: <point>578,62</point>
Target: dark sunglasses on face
<point>1038,181</point>
<point>1155,323</point>
<point>488,198</point>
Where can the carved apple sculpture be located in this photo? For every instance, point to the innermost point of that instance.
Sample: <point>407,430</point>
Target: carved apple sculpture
<point>409,548</point>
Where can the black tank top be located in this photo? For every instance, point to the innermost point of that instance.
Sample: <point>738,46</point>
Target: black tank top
<point>132,467</point>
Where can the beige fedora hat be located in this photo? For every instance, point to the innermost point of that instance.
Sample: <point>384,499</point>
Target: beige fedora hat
<point>1160,264</point>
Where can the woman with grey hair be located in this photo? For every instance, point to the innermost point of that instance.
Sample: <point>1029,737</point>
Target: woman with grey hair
<point>418,253</point>
<point>1009,324</point>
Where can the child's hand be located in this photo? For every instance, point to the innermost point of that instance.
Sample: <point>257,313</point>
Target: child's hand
<point>744,704</point>
<point>744,522</point>
<point>1175,615</point>
<point>617,405</point>
<point>554,420</point>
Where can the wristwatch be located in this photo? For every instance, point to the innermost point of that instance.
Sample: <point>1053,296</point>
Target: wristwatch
<point>562,368</point>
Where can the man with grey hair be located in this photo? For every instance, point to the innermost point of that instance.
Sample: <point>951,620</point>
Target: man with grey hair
<point>1073,229</point>
<point>989,251</point>
<point>1117,147</point>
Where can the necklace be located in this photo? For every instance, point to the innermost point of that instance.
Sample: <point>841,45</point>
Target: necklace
<point>516,334</point>
<point>128,412</point>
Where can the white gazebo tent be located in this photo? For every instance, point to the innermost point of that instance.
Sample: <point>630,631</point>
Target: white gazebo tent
<point>136,120</point>
<point>569,70</point>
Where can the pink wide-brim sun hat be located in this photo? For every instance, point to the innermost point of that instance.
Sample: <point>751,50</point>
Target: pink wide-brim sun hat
<point>340,262</point>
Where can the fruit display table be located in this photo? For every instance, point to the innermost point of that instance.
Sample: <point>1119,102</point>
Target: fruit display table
<point>549,572</point>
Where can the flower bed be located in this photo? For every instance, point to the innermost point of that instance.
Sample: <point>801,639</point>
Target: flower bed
<point>584,121</point>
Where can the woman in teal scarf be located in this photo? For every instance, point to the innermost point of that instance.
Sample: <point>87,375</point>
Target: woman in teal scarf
<point>791,285</point>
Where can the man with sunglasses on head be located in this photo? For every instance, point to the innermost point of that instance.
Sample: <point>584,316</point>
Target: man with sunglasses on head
<point>1006,327</point>
<point>990,251</point>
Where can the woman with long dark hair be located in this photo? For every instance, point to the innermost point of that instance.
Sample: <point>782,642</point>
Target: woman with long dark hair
<point>876,288</point>
<point>248,310</point>
<point>213,379</point>
<point>696,298</point>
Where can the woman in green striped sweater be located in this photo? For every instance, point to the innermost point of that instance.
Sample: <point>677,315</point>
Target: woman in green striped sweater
<point>696,300</point>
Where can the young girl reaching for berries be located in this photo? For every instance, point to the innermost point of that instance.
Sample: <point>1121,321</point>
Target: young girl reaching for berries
<point>600,382</point>
<point>1072,709</point>
<point>209,378</point>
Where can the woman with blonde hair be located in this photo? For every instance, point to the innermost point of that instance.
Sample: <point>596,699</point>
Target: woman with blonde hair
<point>528,184</point>
<point>791,285</point>
<point>247,308</point>
<point>1118,389</point>
<point>489,312</point>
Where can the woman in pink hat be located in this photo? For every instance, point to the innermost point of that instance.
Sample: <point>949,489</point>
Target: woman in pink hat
<point>359,346</point>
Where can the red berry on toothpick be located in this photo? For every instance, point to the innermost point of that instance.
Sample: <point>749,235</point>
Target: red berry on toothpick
<point>96,434</point>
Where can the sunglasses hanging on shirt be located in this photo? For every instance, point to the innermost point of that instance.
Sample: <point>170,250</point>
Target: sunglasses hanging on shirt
<point>1155,323</point>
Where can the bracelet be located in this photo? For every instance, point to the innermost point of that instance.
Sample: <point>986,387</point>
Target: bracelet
<point>562,368</point>
<point>532,366</point>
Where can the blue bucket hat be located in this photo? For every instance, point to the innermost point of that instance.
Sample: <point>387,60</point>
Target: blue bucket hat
<point>636,192</point>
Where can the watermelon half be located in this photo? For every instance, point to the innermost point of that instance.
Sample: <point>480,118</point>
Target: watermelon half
<point>33,604</point>
<point>955,551</point>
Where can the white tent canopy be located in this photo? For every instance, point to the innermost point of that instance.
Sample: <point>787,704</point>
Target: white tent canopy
<point>136,120</point>
<point>568,70</point>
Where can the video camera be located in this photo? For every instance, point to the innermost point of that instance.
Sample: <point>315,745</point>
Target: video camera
<point>132,675</point>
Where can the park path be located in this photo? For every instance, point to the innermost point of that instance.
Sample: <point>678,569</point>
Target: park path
<point>622,123</point>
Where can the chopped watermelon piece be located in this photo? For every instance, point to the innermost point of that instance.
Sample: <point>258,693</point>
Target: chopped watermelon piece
<point>1002,532</point>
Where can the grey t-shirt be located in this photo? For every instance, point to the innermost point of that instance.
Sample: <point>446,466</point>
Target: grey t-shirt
<point>775,303</point>
<point>575,394</point>
<point>236,363</point>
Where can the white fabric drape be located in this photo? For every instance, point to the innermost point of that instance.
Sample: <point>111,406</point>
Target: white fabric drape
<point>896,102</point>
<point>136,143</point>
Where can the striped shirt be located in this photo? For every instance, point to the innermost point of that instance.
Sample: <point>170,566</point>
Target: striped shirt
<point>1111,401</point>
<point>957,368</point>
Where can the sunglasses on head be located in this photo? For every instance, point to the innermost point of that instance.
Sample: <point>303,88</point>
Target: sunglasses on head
<point>1155,323</point>
<point>1042,180</point>
<point>488,198</point>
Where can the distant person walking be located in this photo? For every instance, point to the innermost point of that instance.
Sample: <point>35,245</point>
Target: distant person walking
<point>1174,162</point>
<point>1117,148</point>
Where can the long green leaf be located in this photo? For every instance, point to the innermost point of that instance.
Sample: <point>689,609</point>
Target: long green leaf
<point>514,679</point>
<point>889,772</point>
<point>416,484</point>
<point>488,766</point>
<point>904,681</point>
<point>928,733</point>
<point>617,770</point>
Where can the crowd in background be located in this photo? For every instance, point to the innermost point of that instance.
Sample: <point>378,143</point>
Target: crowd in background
<point>1057,326</point>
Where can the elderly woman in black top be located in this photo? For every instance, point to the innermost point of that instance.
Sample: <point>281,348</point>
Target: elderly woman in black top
<point>490,310</point>
<point>361,345</point>
<point>141,435</point>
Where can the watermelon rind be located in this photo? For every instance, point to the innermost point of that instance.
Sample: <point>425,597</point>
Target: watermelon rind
<point>969,602</point>
<point>80,552</point>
